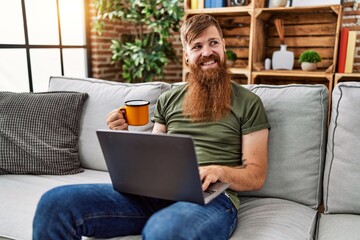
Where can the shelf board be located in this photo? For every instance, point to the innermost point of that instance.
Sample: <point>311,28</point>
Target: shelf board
<point>344,77</point>
<point>296,73</point>
<point>309,75</point>
<point>288,10</point>
<point>349,75</point>
<point>240,71</point>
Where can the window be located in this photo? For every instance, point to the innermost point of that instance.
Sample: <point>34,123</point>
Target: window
<point>39,39</point>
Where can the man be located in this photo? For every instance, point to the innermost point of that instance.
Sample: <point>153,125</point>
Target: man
<point>230,129</point>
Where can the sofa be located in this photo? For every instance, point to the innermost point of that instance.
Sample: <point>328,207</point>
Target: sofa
<point>312,189</point>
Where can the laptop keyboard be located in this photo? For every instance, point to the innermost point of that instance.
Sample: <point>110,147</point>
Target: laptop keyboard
<point>208,192</point>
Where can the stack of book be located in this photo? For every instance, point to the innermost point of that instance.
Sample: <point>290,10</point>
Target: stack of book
<point>215,3</point>
<point>195,4</point>
<point>208,4</point>
<point>347,47</point>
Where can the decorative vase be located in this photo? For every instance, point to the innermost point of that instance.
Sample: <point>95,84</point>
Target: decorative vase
<point>278,3</point>
<point>308,66</point>
<point>267,64</point>
<point>283,59</point>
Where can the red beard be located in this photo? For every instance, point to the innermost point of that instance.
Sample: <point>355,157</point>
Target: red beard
<point>209,92</point>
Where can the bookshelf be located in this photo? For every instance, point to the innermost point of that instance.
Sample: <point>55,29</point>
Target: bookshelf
<point>255,39</point>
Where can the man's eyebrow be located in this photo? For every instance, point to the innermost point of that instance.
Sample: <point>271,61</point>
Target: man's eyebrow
<point>209,40</point>
<point>212,39</point>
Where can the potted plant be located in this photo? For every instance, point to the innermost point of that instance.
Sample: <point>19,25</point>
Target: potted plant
<point>308,60</point>
<point>230,57</point>
<point>144,52</point>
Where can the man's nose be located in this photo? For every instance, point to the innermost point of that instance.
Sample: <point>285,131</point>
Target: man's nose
<point>206,51</point>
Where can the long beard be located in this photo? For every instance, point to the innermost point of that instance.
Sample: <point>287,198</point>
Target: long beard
<point>209,92</point>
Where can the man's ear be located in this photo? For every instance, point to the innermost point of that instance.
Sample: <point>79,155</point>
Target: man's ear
<point>186,57</point>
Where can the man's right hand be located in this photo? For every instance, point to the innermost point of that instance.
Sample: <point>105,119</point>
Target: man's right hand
<point>116,120</point>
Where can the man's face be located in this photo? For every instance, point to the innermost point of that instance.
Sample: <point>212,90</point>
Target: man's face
<point>209,92</point>
<point>207,50</point>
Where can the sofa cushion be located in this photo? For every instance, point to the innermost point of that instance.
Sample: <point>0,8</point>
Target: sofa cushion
<point>39,132</point>
<point>270,218</point>
<point>338,227</point>
<point>298,119</point>
<point>105,96</point>
<point>342,168</point>
<point>21,193</point>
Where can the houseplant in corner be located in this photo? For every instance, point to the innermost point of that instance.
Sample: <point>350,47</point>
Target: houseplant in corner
<point>145,51</point>
<point>308,60</point>
<point>230,57</point>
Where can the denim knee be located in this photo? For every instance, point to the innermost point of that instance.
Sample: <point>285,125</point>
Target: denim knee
<point>163,229</point>
<point>52,215</point>
<point>49,203</point>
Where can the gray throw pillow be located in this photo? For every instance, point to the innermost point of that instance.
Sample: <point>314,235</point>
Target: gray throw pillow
<point>39,132</point>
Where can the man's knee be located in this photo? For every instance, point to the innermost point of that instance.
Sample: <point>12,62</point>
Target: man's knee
<point>50,202</point>
<point>160,229</point>
<point>169,224</point>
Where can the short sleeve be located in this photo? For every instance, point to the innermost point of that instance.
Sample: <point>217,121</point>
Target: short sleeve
<point>159,115</point>
<point>255,118</point>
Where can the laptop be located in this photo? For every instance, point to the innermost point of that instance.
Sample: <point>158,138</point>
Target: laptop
<point>161,166</point>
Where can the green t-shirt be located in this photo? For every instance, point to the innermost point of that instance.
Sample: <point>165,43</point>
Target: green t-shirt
<point>215,142</point>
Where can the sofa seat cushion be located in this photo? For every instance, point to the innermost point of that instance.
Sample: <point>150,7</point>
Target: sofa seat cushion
<point>297,141</point>
<point>342,168</point>
<point>270,218</point>
<point>105,96</point>
<point>338,227</point>
<point>21,193</point>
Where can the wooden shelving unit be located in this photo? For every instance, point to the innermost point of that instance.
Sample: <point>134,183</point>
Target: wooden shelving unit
<point>250,32</point>
<point>306,28</point>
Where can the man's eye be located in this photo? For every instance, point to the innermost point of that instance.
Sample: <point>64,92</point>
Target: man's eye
<point>214,43</point>
<point>196,47</point>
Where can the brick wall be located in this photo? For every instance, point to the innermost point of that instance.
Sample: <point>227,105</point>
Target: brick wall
<point>102,67</point>
<point>351,20</point>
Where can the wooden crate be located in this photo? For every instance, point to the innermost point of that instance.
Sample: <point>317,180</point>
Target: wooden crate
<point>305,28</point>
<point>237,35</point>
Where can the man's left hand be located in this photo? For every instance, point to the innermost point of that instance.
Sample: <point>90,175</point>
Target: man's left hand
<point>210,174</point>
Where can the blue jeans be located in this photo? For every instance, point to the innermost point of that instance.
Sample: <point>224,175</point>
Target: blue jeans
<point>97,210</point>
